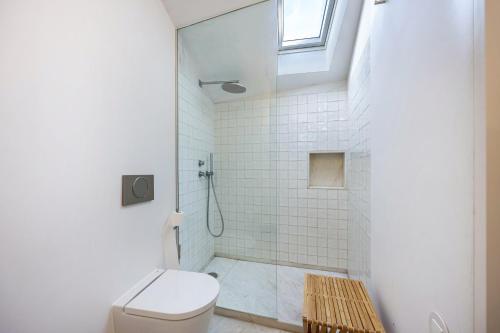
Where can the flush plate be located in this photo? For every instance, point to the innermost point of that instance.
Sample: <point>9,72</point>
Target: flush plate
<point>137,189</point>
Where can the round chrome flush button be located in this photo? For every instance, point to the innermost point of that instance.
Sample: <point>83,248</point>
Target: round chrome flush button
<point>140,187</point>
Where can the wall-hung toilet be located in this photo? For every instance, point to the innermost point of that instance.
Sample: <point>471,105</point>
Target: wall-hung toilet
<point>167,301</point>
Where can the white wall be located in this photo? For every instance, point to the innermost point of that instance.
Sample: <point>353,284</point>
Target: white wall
<point>263,157</point>
<point>480,221</point>
<point>196,141</point>
<point>360,117</point>
<point>245,178</point>
<point>312,222</point>
<point>86,95</point>
<point>422,163</point>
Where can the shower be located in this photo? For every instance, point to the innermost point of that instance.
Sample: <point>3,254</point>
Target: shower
<point>226,94</point>
<point>232,87</point>
<point>209,175</point>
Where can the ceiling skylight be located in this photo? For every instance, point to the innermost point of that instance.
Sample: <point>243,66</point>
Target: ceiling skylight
<point>304,23</point>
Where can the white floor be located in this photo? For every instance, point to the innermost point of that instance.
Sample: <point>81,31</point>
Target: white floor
<point>262,289</point>
<point>220,324</point>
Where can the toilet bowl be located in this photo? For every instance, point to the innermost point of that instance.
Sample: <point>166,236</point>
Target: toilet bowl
<point>167,301</point>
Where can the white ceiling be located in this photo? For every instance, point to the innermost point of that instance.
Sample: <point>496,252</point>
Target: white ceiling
<point>186,12</point>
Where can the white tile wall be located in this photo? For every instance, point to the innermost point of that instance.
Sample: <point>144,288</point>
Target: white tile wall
<point>359,171</point>
<point>245,176</point>
<point>312,222</point>
<point>261,148</point>
<point>196,141</point>
<point>262,177</point>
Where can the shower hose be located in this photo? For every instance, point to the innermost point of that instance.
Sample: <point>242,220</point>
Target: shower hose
<point>211,182</point>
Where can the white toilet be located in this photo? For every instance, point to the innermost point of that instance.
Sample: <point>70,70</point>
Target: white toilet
<point>167,301</point>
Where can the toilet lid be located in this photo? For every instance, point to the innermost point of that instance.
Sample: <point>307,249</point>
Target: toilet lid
<point>175,295</point>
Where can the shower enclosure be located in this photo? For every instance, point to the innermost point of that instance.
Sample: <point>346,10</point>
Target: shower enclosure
<point>227,155</point>
<point>252,220</point>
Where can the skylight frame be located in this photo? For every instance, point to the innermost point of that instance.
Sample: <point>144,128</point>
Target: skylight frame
<point>306,43</point>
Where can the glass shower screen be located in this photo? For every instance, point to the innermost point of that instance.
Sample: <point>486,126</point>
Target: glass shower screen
<point>227,154</point>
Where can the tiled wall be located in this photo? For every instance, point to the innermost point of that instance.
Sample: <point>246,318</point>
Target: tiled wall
<point>261,149</point>
<point>196,141</point>
<point>260,162</point>
<point>245,177</point>
<point>312,222</point>
<point>359,170</point>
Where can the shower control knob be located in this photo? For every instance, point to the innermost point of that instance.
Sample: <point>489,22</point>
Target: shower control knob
<point>205,174</point>
<point>201,163</point>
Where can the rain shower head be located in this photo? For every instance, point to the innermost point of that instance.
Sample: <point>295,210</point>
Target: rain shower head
<point>232,87</point>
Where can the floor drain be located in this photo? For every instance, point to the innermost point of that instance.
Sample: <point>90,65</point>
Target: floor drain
<point>213,274</point>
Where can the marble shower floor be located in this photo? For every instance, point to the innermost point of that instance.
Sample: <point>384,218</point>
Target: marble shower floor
<point>220,324</point>
<point>262,289</point>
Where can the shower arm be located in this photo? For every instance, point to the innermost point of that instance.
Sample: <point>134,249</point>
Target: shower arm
<point>203,83</point>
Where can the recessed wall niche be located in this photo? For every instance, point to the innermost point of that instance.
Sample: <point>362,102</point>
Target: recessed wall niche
<point>327,169</point>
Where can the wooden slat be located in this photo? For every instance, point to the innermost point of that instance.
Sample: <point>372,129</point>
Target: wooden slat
<point>361,312</point>
<point>332,304</point>
<point>336,309</point>
<point>355,318</point>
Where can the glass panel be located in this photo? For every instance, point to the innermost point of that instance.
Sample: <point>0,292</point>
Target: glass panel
<point>239,240</point>
<point>302,19</point>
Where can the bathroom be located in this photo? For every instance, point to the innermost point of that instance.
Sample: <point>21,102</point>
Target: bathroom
<point>184,166</point>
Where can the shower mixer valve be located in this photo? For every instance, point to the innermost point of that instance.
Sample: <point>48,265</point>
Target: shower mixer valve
<point>205,174</point>
<point>202,173</point>
<point>209,173</point>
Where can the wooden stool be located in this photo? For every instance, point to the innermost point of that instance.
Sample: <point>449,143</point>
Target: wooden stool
<point>332,304</point>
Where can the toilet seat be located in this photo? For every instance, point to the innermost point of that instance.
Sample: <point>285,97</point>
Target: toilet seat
<point>175,295</point>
